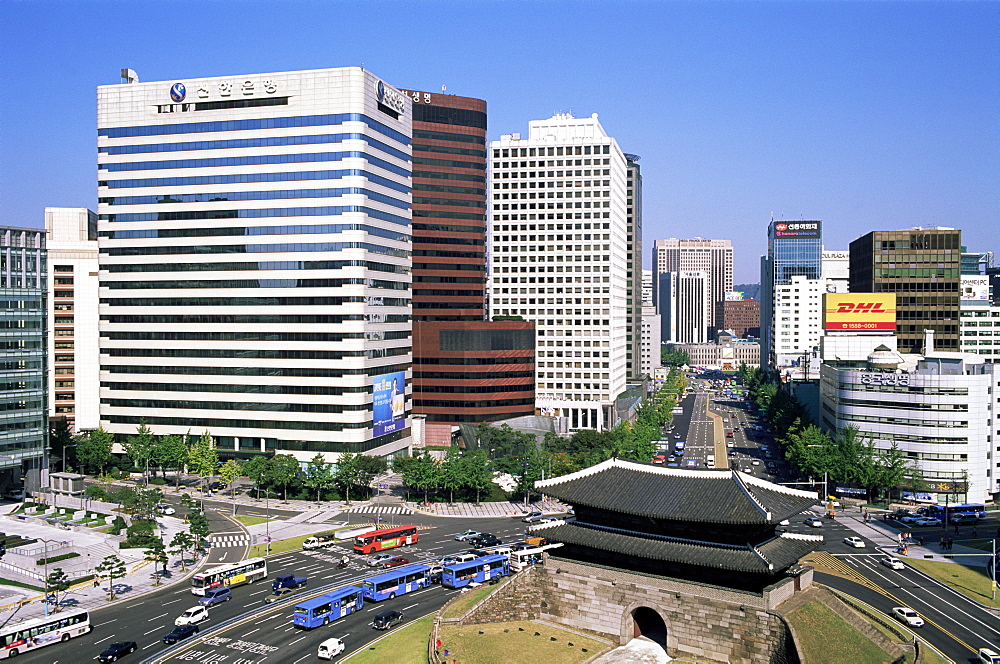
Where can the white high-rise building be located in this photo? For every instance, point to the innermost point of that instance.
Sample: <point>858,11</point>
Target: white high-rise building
<point>692,307</point>
<point>560,257</point>
<point>651,344</point>
<point>713,257</point>
<point>255,246</point>
<point>74,380</point>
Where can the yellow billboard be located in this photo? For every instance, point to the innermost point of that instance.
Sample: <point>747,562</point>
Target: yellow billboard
<point>859,312</point>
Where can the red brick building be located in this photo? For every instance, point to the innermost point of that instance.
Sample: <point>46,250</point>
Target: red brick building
<point>742,317</point>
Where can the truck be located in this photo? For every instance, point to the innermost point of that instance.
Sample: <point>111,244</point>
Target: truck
<point>289,581</point>
<point>319,541</point>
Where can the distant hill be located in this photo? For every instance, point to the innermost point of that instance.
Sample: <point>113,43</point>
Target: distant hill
<point>750,291</point>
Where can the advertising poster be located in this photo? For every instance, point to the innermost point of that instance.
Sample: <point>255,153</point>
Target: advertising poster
<point>975,288</point>
<point>859,311</point>
<point>388,403</point>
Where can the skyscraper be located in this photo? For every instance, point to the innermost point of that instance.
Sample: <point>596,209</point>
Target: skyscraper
<point>714,258</point>
<point>633,284</point>
<point>465,369</point>
<point>24,435</point>
<point>560,258</point>
<point>794,248</point>
<point>255,247</point>
<point>922,266</point>
<point>74,384</point>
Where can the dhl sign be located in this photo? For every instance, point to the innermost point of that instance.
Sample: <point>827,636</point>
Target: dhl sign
<point>859,312</point>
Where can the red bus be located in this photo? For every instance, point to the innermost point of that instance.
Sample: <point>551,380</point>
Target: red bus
<point>387,538</point>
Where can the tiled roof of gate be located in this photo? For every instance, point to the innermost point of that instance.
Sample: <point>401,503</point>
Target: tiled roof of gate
<point>769,557</point>
<point>706,496</point>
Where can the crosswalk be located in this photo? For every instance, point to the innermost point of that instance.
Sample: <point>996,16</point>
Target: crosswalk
<point>374,509</point>
<point>225,541</point>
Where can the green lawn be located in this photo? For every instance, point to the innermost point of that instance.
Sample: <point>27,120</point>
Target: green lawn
<point>502,643</point>
<point>466,601</point>
<point>252,520</point>
<point>281,546</point>
<point>969,580</point>
<point>404,646</point>
<point>826,638</point>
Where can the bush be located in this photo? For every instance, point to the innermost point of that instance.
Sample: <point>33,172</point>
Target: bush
<point>117,525</point>
<point>55,559</point>
<point>96,492</point>
<point>159,481</point>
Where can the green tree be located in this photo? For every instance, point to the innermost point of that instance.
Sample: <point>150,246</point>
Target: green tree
<point>203,460</point>
<point>258,469</point>
<point>111,568</point>
<point>230,471</point>
<point>402,464</point>
<point>345,475</point>
<point>370,467</point>
<point>283,470</point>
<point>181,543</point>
<point>173,453</point>
<point>57,582</point>
<point>674,357</point>
<point>424,473</point>
<point>157,554</point>
<point>453,473</point>
<point>319,476</point>
<point>477,472</point>
<point>140,447</point>
<point>60,440</point>
<point>198,525</point>
<point>93,449</point>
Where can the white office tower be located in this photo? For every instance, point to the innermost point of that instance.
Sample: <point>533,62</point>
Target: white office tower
<point>980,318</point>
<point>938,409</point>
<point>74,381</point>
<point>560,257</point>
<point>836,265</point>
<point>651,340</point>
<point>255,261</point>
<point>692,307</point>
<point>647,288</point>
<point>713,257</point>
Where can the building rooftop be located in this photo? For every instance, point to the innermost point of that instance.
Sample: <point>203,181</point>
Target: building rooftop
<point>676,494</point>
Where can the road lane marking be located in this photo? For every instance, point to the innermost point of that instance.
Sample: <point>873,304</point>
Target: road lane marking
<point>155,629</point>
<point>276,615</point>
<point>173,601</point>
<point>110,636</point>
<point>108,622</point>
<point>157,618</point>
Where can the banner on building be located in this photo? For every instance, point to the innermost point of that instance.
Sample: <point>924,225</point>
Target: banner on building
<point>859,312</point>
<point>975,288</point>
<point>805,230</point>
<point>388,403</point>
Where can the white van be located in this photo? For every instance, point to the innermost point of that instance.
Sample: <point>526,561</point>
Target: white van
<point>987,656</point>
<point>710,462</point>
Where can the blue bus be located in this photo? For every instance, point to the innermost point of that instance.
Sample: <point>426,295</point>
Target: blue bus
<point>977,510</point>
<point>398,581</point>
<point>325,608</point>
<point>479,570</point>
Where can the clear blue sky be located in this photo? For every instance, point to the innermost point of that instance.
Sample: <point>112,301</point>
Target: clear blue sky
<point>867,115</point>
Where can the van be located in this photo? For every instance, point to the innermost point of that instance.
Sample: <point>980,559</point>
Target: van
<point>987,656</point>
<point>215,596</point>
<point>710,462</point>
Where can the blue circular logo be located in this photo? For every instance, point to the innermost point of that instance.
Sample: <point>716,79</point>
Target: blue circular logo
<point>178,92</point>
<point>380,91</point>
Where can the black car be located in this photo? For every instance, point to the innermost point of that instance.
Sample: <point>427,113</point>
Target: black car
<point>484,540</point>
<point>387,619</point>
<point>117,650</point>
<point>180,633</point>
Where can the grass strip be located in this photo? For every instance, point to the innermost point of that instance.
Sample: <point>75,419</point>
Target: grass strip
<point>826,638</point>
<point>969,580</point>
<point>252,520</point>
<point>466,601</point>
<point>280,546</point>
<point>404,646</point>
<point>523,641</point>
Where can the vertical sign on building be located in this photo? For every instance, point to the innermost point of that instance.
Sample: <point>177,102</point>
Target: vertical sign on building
<point>388,403</point>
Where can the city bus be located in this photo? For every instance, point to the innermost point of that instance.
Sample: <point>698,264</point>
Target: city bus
<point>480,570</point>
<point>398,581</point>
<point>33,634</point>
<point>326,608</point>
<point>387,538</point>
<point>525,557</point>
<point>973,509</point>
<point>230,574</point>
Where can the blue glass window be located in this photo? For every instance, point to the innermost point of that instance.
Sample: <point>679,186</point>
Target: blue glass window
<point>253,177</point>
<point>253,160</point>
<point>255,196</point>
<point>256,213</point>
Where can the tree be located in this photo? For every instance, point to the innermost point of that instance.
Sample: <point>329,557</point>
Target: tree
<point>181,543</point>
<point>230,471</point>
<point>173,451</point>
<point>257,468</point>
<point>424,472</point>
<point>369,467</point>
<point>139,447</point>
<point>111,568</point>
<point>60,440</point>
<point>203,459</point>
<point>674,357</point>
<point>157,554</point>
<point>453,473</point>
<point>57,582</point>
<point>345,475</point>
<point>198,525</point>
<point>477,472</point>
<point>318,475</point>
<point>93,449</point>
<point>283,470</point>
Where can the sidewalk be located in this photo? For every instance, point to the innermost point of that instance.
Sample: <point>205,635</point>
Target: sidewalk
<point>25,603</point>
<point>497,509</point>
<point>884,536</point>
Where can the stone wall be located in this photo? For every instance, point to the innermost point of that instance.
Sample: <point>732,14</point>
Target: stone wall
<point>702,622</point>
<point>518,599</point>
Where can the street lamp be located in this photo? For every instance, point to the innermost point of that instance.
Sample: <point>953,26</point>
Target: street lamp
<point>45,558</point>
<point>267,519</point>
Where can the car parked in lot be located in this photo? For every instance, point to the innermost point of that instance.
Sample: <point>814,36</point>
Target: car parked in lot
<point>330,648</point>
<point>379,559</point>
<point>894,563</point>
<point>192,616</point>
<point>856,542</point>
<point>396,561</point>
<point>466,534</point>
<point>908,616</point>
<point>180,633</point>
<point>387,619</point>
<point>117,650</point>
<point>814,522</point>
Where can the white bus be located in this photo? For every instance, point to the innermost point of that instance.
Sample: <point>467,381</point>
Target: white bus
<point>524,557</point>
<point>230,574</point>
<point>33,634</point>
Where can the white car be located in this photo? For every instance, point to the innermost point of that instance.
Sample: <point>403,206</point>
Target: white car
<point>755,462</point>
<point>894,563</point>
<point>192,616</point>
<point>908,616</point>
<point>927,521</point>
<point>330,648</point>
<point>468,534</point>
<point>165,509</point>
<point>814,522</point>
<point>380,559</point>
<point>856,542</point>
<point>730,443</point>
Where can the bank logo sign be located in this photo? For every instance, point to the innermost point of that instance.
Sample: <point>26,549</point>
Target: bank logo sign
<point>390,97</point>
<point>797,229</point>
<point>862,312</point>
<point>178,92</point>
